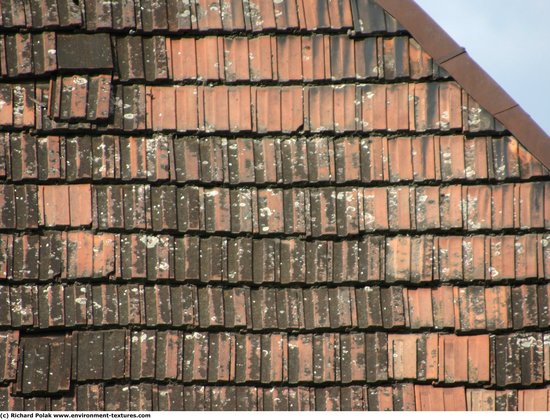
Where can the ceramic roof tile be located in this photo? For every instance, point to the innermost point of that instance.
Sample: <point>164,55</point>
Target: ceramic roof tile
<point>95,44</point>
<point>261,205</point>
<point>440,399</point>
<point>13,16</point>
<point>32,376</point>
<point>20,109</point>
<point>9,351</point>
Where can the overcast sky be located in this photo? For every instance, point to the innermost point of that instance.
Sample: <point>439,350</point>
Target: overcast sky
<point>509,39</point>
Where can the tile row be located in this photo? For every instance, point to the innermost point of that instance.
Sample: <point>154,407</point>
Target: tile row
<point>272,161</point>
<point>164,397</point>
<point>396,107</point>
<point>421,259</point>
<point>197,15</point>
<point>463,309</point>
<point>280,58</point>
<point>313,212</point>
<point>287,109</point>
<point>168,355</point>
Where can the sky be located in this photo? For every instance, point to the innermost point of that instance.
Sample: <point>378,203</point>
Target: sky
<point>508,38</point>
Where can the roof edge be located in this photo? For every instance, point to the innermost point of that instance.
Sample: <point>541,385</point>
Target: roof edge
<point>476,81</point>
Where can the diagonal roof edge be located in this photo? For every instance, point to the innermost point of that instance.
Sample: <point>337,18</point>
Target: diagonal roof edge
<point>457,62</point>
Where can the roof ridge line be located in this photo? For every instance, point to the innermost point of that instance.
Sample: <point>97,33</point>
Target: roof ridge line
<point>470,76</point>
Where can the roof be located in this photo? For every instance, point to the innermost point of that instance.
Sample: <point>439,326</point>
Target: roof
<point>454,59</point>
<point>264,205</point>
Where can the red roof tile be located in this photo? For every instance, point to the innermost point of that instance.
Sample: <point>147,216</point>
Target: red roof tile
<point>263,205</point>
